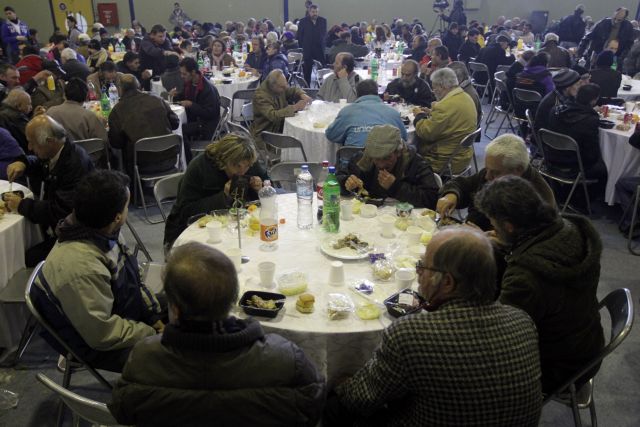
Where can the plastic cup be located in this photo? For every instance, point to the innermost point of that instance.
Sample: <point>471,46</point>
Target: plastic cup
<point>235,255</point>
<point>387,224</point>
<point>336,273</point>
<point>346,210</point>
<point>368,211</point>
<point>214,228</point>
<point>267,270</point>
<point>404,278</point>
<point>413,234</point>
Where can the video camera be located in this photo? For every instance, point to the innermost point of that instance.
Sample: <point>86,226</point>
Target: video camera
<point>440,4</point>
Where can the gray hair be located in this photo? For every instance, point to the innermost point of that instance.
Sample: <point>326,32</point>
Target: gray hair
<point>444,77</point>
<point>52,130</point>
<point>128,83</point>
<point>272,36</point>
<point>475,281</point>
<point>511,149</point>
<point>68,53</point>
<point>273,77</point>
<point>15,97</point>
<point>461,71</point>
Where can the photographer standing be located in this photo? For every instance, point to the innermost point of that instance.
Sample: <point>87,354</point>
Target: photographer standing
<point>457,13</point>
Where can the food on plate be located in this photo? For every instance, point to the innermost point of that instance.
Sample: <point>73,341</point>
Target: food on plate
<point>429,213</point>
<point>406,261</point>
<point>305,303</point>
<point>292,283</point>
<point>426,238</point>
<point>351,241</point>
<point>265,304</point>
<point>368,311</point>
<point>242,73</point>
<point>403,223</point>
<point>252,208</point>
<point>447,220</point>
<point>202,222</point>
<point>356,206</point>
<point>319,125</point>
<point>623,126</point>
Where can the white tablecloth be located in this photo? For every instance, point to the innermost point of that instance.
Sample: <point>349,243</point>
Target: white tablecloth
<point>181,112</point>
<point>629,95</point>
<point>17,234</point>
<point>620,157</point>
<point>237,83</point>
<point>336,346</point>
<point>316,146</point>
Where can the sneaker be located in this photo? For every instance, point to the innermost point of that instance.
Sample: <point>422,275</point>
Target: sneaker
<point>62,364</point>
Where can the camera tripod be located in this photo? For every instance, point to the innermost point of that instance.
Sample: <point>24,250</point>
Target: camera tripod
<point>439,26</point>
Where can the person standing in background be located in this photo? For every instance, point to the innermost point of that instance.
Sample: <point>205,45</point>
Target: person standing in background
<point>178,17</point>
<point>312,30</point>
<point>13,30</point>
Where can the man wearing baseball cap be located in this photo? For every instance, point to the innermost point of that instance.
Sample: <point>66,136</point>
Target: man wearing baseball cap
<point>567,83</point>
<point>388,167</point>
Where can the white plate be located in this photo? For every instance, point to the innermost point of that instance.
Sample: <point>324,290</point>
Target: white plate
<point>345,253</point>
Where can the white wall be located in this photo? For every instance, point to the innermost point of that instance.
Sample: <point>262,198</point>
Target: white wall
<point>36,12</point>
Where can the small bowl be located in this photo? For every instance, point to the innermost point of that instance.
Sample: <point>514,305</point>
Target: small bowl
<point>397,310</point>
<point>255,311</point>
<point>227,81</point>
<point>368,211</point>
<point>606,124</point>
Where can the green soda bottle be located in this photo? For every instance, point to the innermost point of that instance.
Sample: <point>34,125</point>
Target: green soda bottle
<point>331,207</point>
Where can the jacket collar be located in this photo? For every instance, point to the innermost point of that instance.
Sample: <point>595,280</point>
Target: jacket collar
<point>223,336</point>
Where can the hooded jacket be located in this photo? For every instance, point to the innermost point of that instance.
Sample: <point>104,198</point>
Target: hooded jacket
<point>417,94</point>
<point>275,62</point>
<point>353,123</point>
<point>553,275</point>
<point>232,374</point>
<point>536,78</point>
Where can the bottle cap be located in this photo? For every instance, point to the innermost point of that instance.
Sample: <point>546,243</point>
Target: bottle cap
<point>305,167</point>
<point>332,169</point>
<point>325,163</point>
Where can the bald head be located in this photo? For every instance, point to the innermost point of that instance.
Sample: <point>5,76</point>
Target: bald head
<point>19,99</point>
<point>201,284</point>
<point>45,136</point>
<point>128,83</point>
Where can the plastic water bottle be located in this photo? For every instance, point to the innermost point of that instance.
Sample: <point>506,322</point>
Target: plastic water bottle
<point>105,105</point>
<point>304,188</point>
<point>331,208</point>
<point>113,94</point>
<point>268,217</point>
<point>206,64</point>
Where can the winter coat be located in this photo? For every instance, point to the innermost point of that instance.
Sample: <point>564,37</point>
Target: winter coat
<point>205,107</point>
<point>415,182</point>
<point>466,187</point>
<point>15,122</point>
<point>537,79</point>
<point>467,51</point>
<point>75,68</point>
<point>492,56</point>
<point>42,96</point>
<point>256,61</point>
<point>452,118</point>
<point>29,66</point>
<point>334,89</point>
<point>353,123</point>
<point>609,81</point>
<point>270,110</point>
<point>201,190</point>
<point>599,35</point>
<point>275,62</point>
<point>79,122</point>
<point>559,57</point>
<point>340,46</point>
<point>572,28</point>
<point>9,34</point>
<point>231,374</point>
<point>553,276</point>
<point>311,38</point>
<point>631,63</point>
<point>90,290</point>
<point>452,42</point>
<point>152,55</point>
<point>9,151</point>
<point>418,94</point>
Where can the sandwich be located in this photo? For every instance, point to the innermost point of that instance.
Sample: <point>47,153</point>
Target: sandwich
<point>305,303</point>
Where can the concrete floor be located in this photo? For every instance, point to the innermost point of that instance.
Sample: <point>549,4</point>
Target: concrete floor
<point>617,390</point>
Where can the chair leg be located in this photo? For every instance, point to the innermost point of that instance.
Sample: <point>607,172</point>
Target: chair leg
<point>633,223</point>
<point>28,333</point>
<point>573,188</point>
<point>586,197</point>
<point>141,194</point>
<point>592,413</point>
<point>66,379</point>
<point>500,127</point>
<point>574,406</point>
<point>139,242</point>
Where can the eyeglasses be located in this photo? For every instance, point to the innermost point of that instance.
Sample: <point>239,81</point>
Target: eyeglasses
<point>421,267</point>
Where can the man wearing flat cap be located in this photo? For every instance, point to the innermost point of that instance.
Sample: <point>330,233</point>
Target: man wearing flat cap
<point>388,167</point>
<point>567,82</point>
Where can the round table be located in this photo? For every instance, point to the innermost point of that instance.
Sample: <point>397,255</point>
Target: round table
<point>621,159</point>
<point>316,146</point>
<point>629,95</point>
<point>237,83</point>
<point>337,347</point>
<point>17,234</point>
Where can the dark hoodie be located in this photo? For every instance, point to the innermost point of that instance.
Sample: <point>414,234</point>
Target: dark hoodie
<point>536,78</point>
<point>580,122</point>
<point>553,276</point>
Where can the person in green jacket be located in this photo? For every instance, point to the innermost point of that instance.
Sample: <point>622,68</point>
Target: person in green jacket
<point>210,178</point>
<point>552,273</point>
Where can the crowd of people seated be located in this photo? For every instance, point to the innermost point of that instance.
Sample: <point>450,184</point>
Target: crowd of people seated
<point>531,289</point>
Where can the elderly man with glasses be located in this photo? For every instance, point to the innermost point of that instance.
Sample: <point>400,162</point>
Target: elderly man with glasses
<point>469,358</point>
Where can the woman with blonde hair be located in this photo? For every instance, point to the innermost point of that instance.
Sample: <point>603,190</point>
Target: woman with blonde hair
<point>211,181</point>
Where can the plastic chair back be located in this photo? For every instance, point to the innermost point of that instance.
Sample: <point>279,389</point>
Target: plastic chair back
<point>286,172</point>
<point>98,151</point>
<point>87,409</point>
<point>225,102</point>
<point>245,95</point>
<point>503,68</point>
<point>237,128</point>
<point>346,153</point>
<point>313,93</point>
<point>283,142</point>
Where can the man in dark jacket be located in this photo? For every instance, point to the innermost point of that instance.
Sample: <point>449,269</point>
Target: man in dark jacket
<point>457,14</point>
<point>505,155</point>
<point>470,48</point>
<point>139,115</point>
<point>566,82</point>
<point>208,365</point>
<point>58,163</point>
<point>344,44</point>
<point>72,67</point>
<point>153,49</point>
<point>571,28</point>
<point>312,30</point>
<point>388,167</point>
<point>492,55</point>
<point>130,64</point>
<point>552,273</point>
<point>452,41</point>
<point>606,30</point>
<point>202,102</point>
<point>409,87</point>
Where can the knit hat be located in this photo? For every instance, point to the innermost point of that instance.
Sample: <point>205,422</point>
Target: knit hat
<point>382,141</point>
<point>565,78</point>
<point>605,59</point>
<point>288,35</point>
